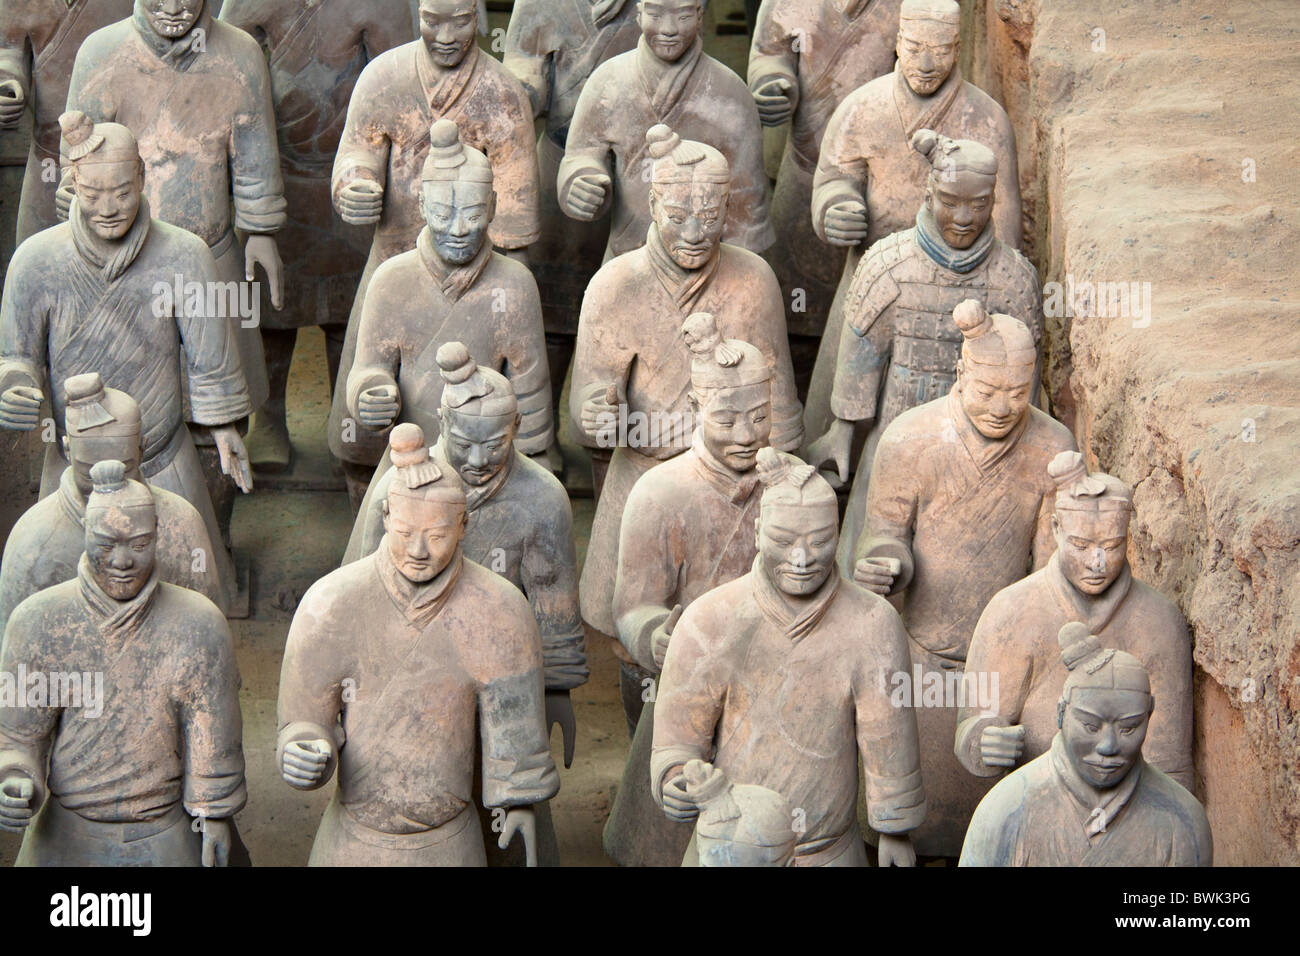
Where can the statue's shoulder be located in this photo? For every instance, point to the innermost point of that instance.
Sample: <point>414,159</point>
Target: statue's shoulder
<point>534,483</point>
<point>204,622</point>
<point>176,511</point>
<point>480,591</point>
<point>107,40</point>
<point>1049,435</point>
<point>1163,793</point>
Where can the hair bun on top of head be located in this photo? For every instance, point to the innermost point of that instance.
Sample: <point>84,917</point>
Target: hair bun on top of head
<point>455,362</point>
<point>108,476</point>
<point>700,330</point>
<point>972,318</point>
<point>1078,644</point>
<point>79,132</point>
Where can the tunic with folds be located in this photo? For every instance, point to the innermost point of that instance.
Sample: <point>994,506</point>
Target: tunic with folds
<point>204,120</point>
<point>867,156</point>
<point>316,52</point>
<point>789,696</point>
<point>701,100</point>
<point>644,353</point>
<point>1044,814</point>
<point>400,677</point>
<point>825,49</point>
<point>169,734</point>
<point>966,516</point>
<point>688,527</point>
<point>1016,638</point>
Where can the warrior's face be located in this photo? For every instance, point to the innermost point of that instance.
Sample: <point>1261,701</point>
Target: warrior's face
<point>478,446</point>
<point>120,549</point>
<point>927,52</point>
<point>961,203</point>
<point>173,18</point>
<point>458,214</point>
<point>448,28</point>
<point>1092,547</point>
<point>423,535</point>
<point>670,26</point>
<point>734,423</point>
<point>109,196</point>
<point>85,451</point>
<point>994,397</point>
<point>797,545</point>
<point>1103,732</point>
<point>690,217</point>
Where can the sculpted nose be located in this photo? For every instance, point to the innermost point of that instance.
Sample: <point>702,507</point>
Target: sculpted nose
<point>122,559</point>
<point>1098,562</point>
<point>1108,746</point>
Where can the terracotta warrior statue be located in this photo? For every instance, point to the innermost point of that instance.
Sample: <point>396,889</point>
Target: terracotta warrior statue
<point>870,181</point>
<point>960,506</point>
<point>739,824</point>
<point>82,297</point>
<point>38,42</point>
<point>668,79</point>
<point>1087,581</point>
<point>1092,799</point>
<point>899,345</point>
<point>552,47</point>
<point>781,680</point>
<point>390,675</point>
<point>141,765</point>
<point>103,424</point>
<point>315,52</point>
<point>379,171</point>
<point>631,377</point>
<point>688,527</point>
<point>450,287</point>
<point>805,58</point>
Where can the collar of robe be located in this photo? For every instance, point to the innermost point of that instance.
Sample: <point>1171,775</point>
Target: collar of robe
<point>984,452</point>
<point>1097,611</point>
<point>924,112</point>
<point>664,82</point>
<point>110,257</point>
<point>602,11</point>
<point>736,488</point>
<point>454,281</point>
<point>420,603</point>
<point>684,285</point>
<point>1099,807</point>
<point>181,52</point>
<point>796,617</point>
<point>442,86</point>
<point>961,261</point>
<point>116,618</point>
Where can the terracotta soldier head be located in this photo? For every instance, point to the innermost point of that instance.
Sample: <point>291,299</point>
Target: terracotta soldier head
<point>731,393</point>
<point>798,523</point>
<point>457,195</point>
<point>670,27</point>
<point>1105,708</point>
<point>689,186</point>
<point>449,28</point>
<point>171,18</point>
<point>102,424</point>
<point>479,413</point>
<point>995,374</point>
<point>107,173</point>
<point>959,189</point>
<point>424,515</point>
<point>121,531</point>
<point>1090,523</point>
<point>928,35</point>
<point>739,824</point>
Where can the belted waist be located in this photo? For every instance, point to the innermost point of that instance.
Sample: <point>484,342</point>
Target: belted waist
<point>114,832</point>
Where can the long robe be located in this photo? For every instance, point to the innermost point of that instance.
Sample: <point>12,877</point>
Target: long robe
<point>1016,638</point>
<point>789,698</point>
<point>867,156</point>
<point>688,527</point>
<point>825,49</point>
<point>167,743</point>
<point>401,677</point>
<point>702,100</point>
<point>61,315</point>
<point>644,352</point>
<point>899,346</point>
<point>50,537</point>
<point>966,516</point>
<point>38,42</point>
<point>206,129</point>
<point>315,53</point>
<point>1040,814</point>
<point>416,304</point>
<point>552,46</point>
